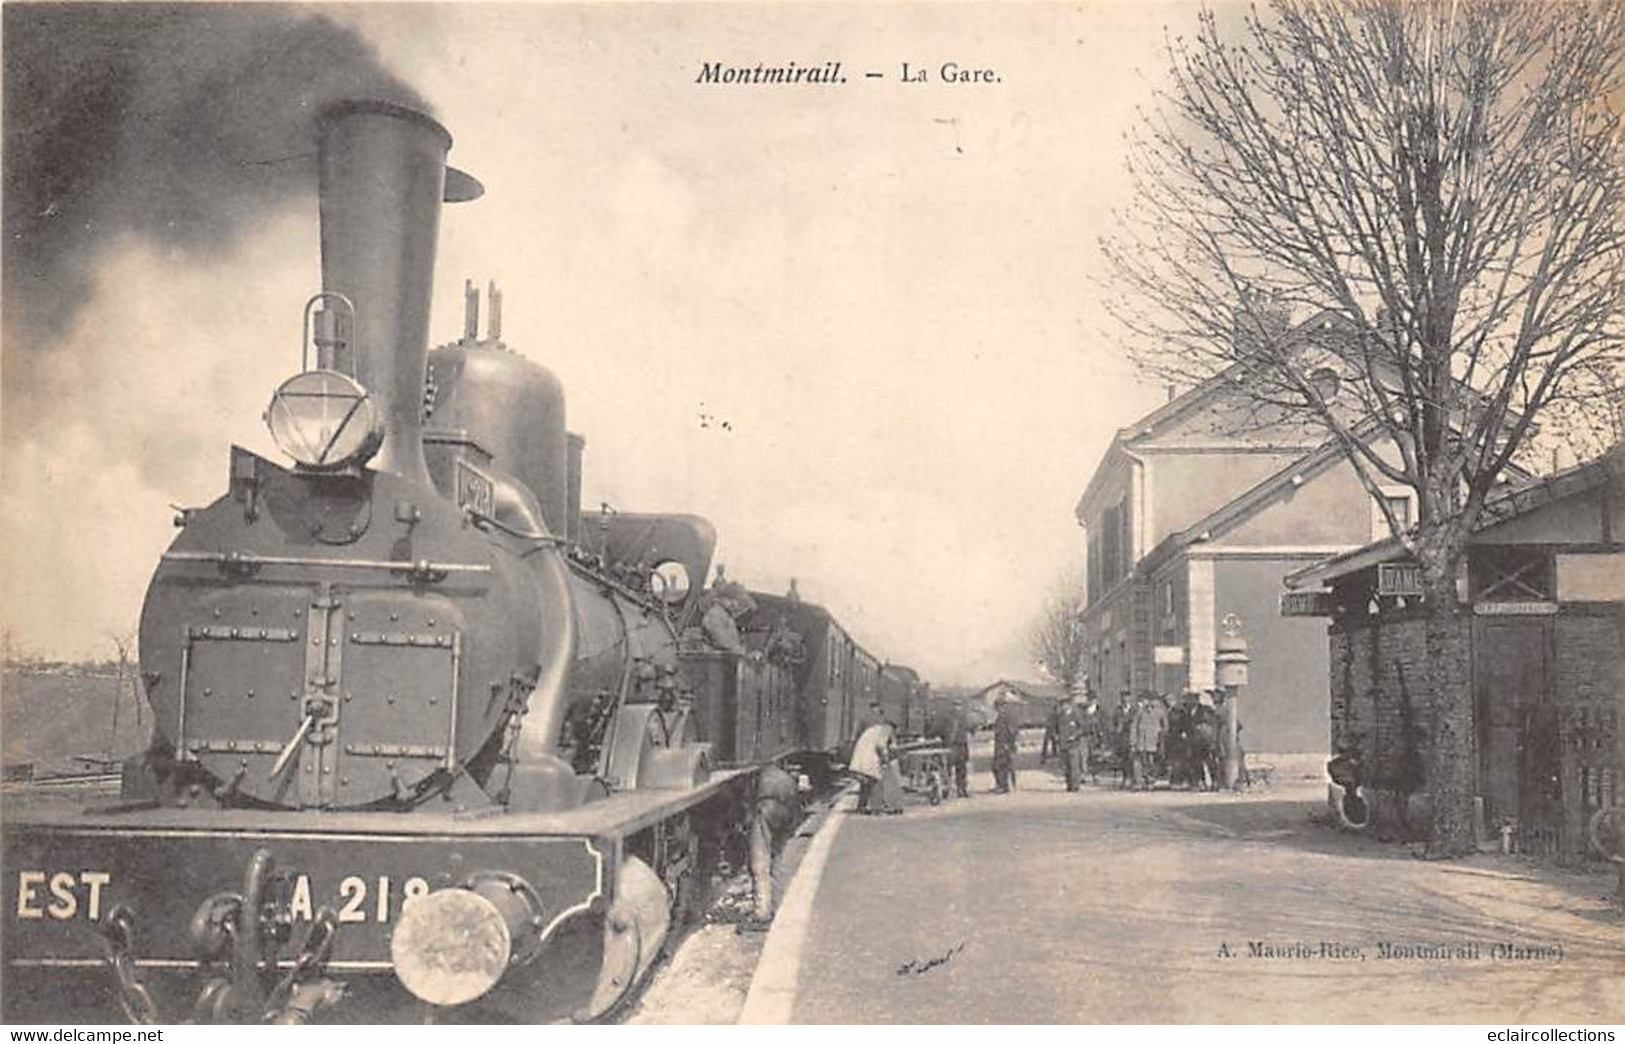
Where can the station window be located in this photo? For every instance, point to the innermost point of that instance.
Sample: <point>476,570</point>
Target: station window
<point>1402,502</point>
<point>1510,573</point>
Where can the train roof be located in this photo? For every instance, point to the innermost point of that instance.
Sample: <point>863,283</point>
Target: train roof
<point>815,613</point>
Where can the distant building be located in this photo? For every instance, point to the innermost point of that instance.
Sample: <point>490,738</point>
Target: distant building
<point>1545,641</point>
<point>1195,512</point>
<point>947,699</point>
<point>1037,700</point>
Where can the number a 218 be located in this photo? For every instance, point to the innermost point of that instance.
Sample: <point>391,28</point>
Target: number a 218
<point>359,898</point>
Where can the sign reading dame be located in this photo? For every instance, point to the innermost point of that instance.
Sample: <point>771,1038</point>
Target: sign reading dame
<point>1399,578</point>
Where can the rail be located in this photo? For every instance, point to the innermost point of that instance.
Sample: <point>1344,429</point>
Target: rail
<point>63,782</point>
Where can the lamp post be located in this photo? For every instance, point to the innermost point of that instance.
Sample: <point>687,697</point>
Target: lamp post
<point>1230,660</point>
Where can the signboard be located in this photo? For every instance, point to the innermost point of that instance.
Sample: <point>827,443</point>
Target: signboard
<point>368,877</point>
<point>1515,608</point>
<point>1399,578</point>
<point>1306,603</point>
<point>1591,578</point>
<point>476,493</point>
<point>1168,654</point>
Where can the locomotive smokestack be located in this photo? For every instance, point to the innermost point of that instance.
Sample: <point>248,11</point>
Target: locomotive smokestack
<point>382,178</point>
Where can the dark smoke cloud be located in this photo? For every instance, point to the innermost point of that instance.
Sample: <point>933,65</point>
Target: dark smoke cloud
<point>182,124</point>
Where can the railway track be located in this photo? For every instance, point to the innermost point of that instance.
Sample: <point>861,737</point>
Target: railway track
<point>729,906</point>
<point>89,782</point>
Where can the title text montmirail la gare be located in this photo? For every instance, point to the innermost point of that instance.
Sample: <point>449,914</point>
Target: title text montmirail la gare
<point>827,74</point>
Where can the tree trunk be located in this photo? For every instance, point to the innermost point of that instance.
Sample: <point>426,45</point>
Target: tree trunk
<point>1451,757</point>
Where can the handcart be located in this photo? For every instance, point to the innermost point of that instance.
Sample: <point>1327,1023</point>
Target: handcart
<point>925,771</point>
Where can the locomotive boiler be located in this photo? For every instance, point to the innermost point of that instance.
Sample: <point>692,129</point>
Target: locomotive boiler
<point>428,743</point>
<point>361,668</point>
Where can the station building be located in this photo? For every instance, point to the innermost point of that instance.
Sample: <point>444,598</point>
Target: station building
<point>1544,640</point>
<point>1195,513</point>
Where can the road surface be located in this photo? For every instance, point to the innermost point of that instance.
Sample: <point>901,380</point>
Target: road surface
<point>1113,906</point>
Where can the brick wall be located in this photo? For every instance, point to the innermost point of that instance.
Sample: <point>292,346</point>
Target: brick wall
<point>1588,659</point>
<point>1376,703</point>
<point>1381,707</point>
<point>1587,678</point>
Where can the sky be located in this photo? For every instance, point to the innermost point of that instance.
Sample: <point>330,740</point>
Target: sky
<point>889,291</point>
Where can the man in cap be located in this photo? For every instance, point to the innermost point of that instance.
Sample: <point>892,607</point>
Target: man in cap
<point>665,725</point>
<point>1072,738</point>
<point>954,731</point>
<point>777,805</point>
<point>1204,730</point>
<point>1122,736</point>
<point>1150,723</point>
<point>1006,731</point>
<point>1094,728</point>
<point>1178,749</point>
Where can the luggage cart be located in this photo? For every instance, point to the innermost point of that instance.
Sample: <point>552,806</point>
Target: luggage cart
<point>925,772</point>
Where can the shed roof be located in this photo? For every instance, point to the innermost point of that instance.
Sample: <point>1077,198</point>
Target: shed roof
<point>1028,690</point>
<point>1500,507</point>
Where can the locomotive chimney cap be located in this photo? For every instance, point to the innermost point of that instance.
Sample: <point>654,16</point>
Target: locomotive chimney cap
<point>460,186</point>
<point>377,107</point>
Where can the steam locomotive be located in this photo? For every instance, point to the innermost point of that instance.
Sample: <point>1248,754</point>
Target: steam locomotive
<point>430,743</point>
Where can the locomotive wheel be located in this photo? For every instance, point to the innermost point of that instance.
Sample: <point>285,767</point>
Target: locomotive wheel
<point>635,928</point>
<point>693,887</point>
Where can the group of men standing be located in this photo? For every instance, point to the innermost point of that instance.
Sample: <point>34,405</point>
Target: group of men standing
<point>954,730</point>
<point>1146,738</point>
<point>1072,731</point>
<point>1184,740</point>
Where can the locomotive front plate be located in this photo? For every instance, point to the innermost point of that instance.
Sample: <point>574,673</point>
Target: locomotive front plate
<point>61,882</point>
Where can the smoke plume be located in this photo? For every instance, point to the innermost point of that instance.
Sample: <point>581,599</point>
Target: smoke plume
<point>177,124</point>
<point>159,182</point>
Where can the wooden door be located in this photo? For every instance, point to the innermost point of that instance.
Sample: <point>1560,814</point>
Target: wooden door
<point>1510,683</point>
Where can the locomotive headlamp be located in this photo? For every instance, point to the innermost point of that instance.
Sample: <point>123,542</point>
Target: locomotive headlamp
<point>451,946</point>
<point>324,420</point>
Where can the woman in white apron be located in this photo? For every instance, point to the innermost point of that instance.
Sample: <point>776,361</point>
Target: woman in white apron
<point>872,763</point>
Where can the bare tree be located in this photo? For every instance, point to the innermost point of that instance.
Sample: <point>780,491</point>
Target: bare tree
<point>124,645</point>
<point>1056,640</point>
<point>1438,183</point>
<point>1584,428</point>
